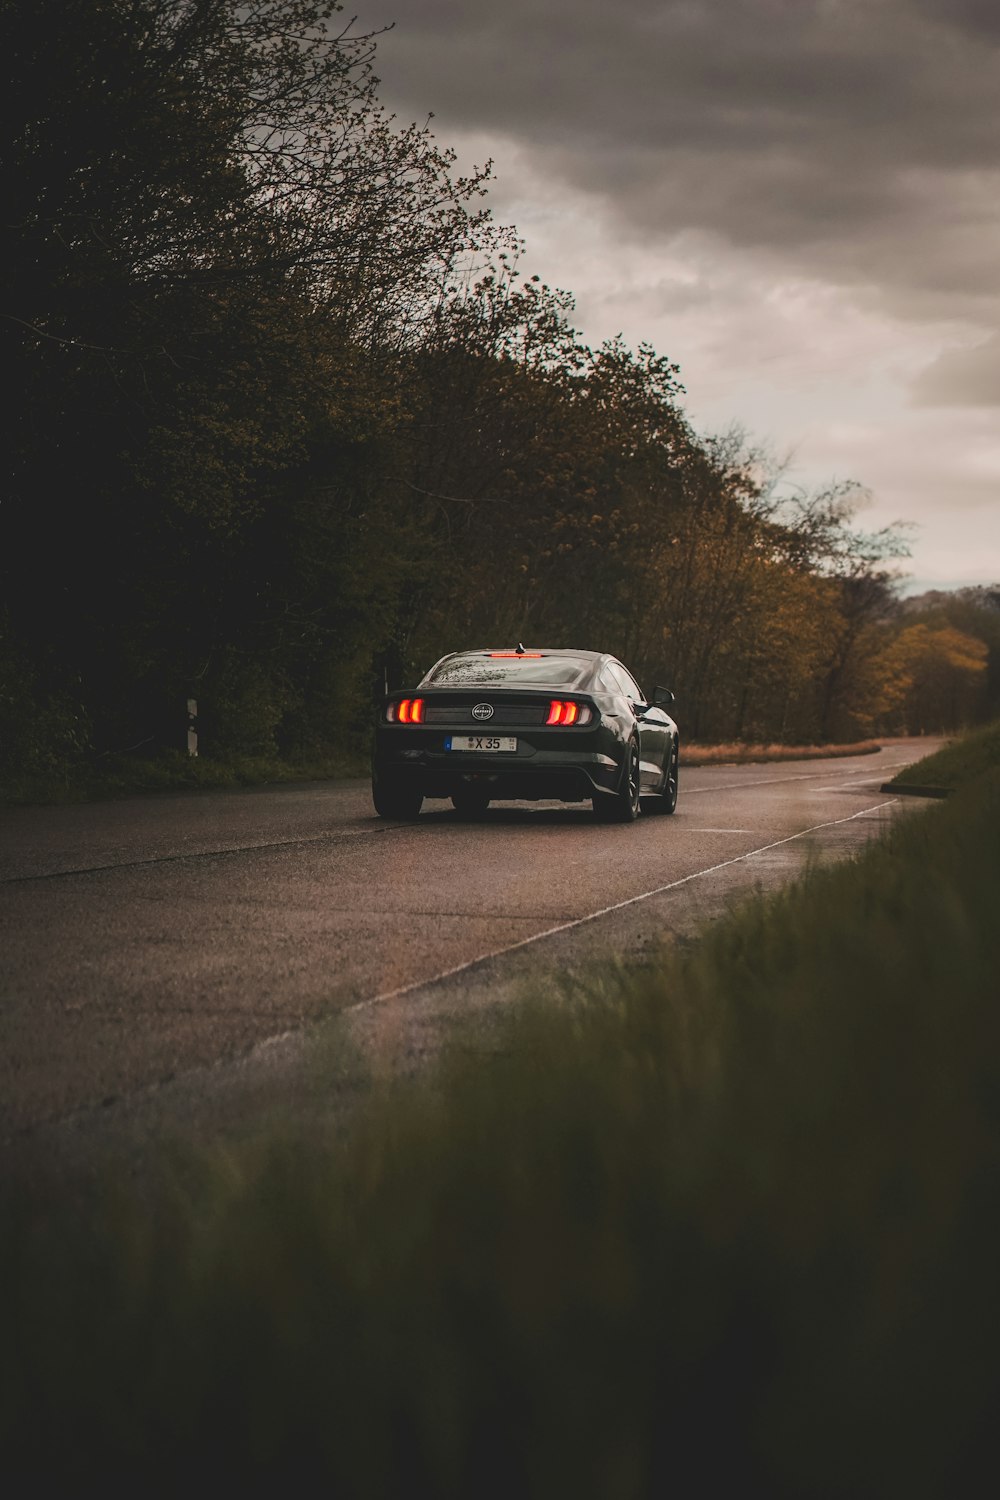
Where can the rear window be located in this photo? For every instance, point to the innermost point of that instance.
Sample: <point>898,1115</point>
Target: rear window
<point>479,668</point>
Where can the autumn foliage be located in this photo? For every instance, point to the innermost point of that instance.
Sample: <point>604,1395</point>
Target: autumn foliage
<point>288,419</point>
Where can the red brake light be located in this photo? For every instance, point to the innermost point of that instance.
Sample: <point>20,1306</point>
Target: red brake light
<point>564,712</point>
<point>515,656</point>
<point>407,711</point>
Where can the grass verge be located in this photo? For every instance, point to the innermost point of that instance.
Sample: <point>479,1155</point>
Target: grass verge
<point>738,753</point>
<point>957,763</point>
<point>726,1225</point>
<point>127,776</point>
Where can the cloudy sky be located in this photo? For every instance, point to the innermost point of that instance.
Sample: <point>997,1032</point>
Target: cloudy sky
<point>798,201</point>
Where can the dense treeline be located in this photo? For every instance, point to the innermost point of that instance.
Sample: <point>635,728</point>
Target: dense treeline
<point>286,420</point>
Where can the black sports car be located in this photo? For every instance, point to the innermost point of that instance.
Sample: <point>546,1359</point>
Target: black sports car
<point>512,723</point>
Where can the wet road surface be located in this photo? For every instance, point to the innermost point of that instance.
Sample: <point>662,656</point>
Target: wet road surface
<point>177,961</point>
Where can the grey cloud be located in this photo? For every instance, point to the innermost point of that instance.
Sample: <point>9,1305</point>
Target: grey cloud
<point>742,73</point>
<point>857,139</point>
<point>964,377</point>
<point>977,17</point>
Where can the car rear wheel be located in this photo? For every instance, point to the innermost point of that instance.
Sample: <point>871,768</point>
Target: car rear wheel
<point>623,807</point>
<point>470,802</point>
<point>665,801</point>
<point>400,803</point>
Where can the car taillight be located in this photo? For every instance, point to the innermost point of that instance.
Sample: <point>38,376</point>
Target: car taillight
<point>407,711</point>
<point>563,711</point>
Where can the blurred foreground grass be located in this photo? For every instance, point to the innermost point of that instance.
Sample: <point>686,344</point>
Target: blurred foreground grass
<point>728,1225</point>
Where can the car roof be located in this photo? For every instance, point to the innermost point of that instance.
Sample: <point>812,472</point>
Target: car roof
<point>590,661</point>
<point>526,651</point>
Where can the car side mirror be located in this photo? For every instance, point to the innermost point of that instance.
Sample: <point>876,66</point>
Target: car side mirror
<point>663,697</point>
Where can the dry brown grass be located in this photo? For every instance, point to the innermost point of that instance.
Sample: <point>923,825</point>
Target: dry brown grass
<point>714,755</point>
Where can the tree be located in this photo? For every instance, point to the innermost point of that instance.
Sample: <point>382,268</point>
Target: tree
<point>217,243</point>
<point>937,676</point>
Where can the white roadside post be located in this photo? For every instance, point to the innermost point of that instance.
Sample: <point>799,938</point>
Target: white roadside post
<point>192,726</point>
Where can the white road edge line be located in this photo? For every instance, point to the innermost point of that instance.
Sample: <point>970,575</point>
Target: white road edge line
<point>862,774</point>
<point>419,984</point>
<point>729,786</point>
<point>179,856</point>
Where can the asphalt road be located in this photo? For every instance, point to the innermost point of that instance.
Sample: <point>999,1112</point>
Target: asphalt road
<point>190,962</point>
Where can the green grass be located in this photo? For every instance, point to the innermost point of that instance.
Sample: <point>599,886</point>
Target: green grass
<point>957,763</point>
<point>725,1225</point>
<point>127,776</point>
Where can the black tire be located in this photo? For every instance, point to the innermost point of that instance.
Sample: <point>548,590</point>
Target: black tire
<point>623,806</point>
<point>400,803</point>
<point>665,801</point>
<point>470,802</point>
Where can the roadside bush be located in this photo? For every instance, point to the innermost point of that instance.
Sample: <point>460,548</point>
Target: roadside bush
<point>43,731</point>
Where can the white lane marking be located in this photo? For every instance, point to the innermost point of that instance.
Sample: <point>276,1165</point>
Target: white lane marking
<point>729,786</point>
<point>417,984</point>
<point>331,837</point>
<point>853,785</point>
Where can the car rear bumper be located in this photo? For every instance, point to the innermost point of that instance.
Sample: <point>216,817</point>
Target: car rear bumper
<point>569,768</point>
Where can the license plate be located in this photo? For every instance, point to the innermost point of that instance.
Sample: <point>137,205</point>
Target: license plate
<point>493,744</point>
